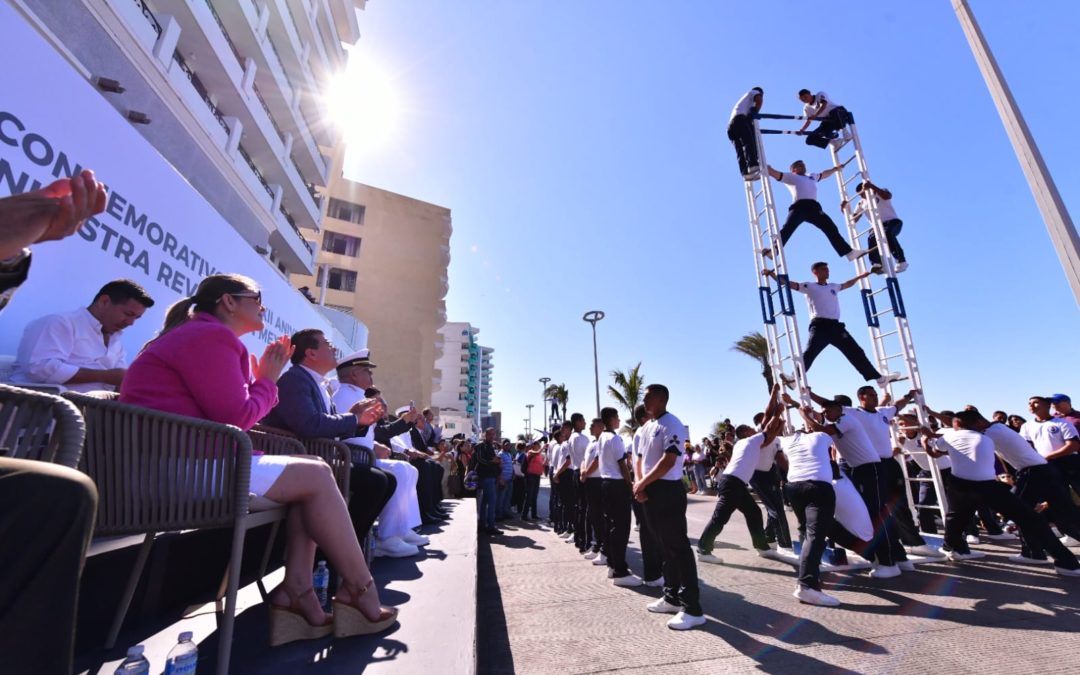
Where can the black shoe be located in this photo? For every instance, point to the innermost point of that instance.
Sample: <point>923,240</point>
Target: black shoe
<point>492,531</point>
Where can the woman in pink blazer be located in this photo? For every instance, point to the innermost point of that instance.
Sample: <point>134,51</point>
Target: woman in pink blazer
<point>198,367</point>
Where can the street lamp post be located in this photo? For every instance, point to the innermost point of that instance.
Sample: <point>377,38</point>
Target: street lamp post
<point>543,400</point>
<point>528,427</point>
<point>592,317</point>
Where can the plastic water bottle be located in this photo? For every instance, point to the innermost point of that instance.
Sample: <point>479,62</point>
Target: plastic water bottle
<point>135,663</point>
<point>322,583</point>
<point>183,658</point>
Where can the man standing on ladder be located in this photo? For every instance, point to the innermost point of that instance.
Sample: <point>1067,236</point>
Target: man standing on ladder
<point>805,208</point>
<point>740,131</point>
<point>890,222</point>
<point>835,116</point>
<point>826,329</point>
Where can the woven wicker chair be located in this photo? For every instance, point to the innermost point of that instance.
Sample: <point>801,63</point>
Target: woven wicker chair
<point>158,472</point>
<point>335,453</point>
<point>35,425</point>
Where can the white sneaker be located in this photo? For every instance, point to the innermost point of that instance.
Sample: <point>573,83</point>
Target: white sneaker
<point>395,547</point>
<point>684,621</point>
<point>972,539</point>
<point>901,267</point>
<point>600,560</point>
<point>415,539</point>
<point>770,553</point>
<point>811,597</point>
<point>629,581</point>
<point>1021,559</point>
<point>906,566</point>
<point>589,555</point>
<point>857,253</point>
<point>658,582</point>
<point>1067,573</point>
<point>956,556</point>
<point>885,379</point>
<point>662,606</point>
<point>709,558</point>
<point>885,572</point>
<point>925,550</point>
<point>1069,541</point>
<point>783,552</point>
<point>1004,536</point>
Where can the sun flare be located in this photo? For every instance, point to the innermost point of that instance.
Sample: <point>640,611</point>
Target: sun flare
<point>364,104</point>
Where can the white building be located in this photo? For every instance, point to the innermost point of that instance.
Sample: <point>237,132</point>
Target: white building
<point>464,390</point>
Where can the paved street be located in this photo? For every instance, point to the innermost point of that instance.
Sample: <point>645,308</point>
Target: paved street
<point>543,609</point>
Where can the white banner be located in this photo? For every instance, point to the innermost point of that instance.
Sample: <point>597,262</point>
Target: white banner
<point>157,229</point>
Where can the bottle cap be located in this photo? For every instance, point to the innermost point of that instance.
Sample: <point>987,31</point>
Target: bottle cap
<point>185,636</point>
<point>137,650</point>
<point>322,563</point>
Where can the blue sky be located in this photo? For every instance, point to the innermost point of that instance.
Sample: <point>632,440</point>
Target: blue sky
<point>582,149</point>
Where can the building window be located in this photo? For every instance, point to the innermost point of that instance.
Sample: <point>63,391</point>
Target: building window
<point>343,210</point>
<point>338,279</point>
<point>341,244</point>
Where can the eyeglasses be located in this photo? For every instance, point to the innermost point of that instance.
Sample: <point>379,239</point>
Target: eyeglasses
<point>256,296</point>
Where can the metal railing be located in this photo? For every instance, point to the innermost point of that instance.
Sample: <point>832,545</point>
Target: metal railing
<point>292,222</point>
<point>255,170</point>
<point>141,4</point>
<point>266,108</point>
<point>200,89</point>
<point>225,34</point>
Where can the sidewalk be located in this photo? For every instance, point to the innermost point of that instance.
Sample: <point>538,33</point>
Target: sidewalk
<point>563,616</point>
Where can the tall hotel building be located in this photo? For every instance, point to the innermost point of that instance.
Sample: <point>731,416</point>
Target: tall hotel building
<point>464,392</point>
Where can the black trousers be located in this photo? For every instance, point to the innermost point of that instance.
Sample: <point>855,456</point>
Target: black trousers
<point>1069,468</point>
<point>428,484</point>
<point>371,488</point>
<point>1043,483</point>
<point>554,504</point>
<point>767,486</point>
<point>517,497</point>
<point>892,229</point>
<point>814,502</point>
<point>741,133</point>
<point>616,497</point>
<point>809,211</point>
<point>532,491</point>
<point>825,332</point>
<point>665,511</point>
<point>964,497</point>
<point>582,532</point>
<point>869,480</point>
<point>927,497</point>
<point>568,498</point>
<point>836,120</point>
<point>897,503</point>
<point>594,493</point>
<point>731,494</point>
<point>46,519</point>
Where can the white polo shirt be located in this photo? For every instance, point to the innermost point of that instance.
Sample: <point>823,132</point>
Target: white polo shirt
<point>577,444</point>
<point>972,454</point>
<point>744,457</point>
<point>662,436</point>
<point>914,449</point>
<point>852,443</point>
<point>878,426</point>
<point>885,209</point>
<point>801,187</point>
<point>744,105</point>
<point>1049,436</point>
<point>612,449</point>
<point>808,456</point>
<point>592,450</point>
<point>1012,447</point>
<point>558,456</point>
<point>822,300</point>
<point>809,109</point>
<point>768,456</point>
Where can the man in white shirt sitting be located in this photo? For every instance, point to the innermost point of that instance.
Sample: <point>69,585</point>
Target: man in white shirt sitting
<point>823,302</point>
<point>805,208</point>
<point>81,350</point>
<point>834,118</point>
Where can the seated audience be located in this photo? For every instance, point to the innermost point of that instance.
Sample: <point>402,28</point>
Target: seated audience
<point>197,366</point>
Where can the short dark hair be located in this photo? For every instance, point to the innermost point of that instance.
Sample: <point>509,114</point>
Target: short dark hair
<point>744,430</point>
<point>803,91</point>
<point>968,418</point>
<point>120,291</point>
<point>303,340</point>
<point>577,417</point>
<point>865,389</point>
<point>818,265</point>
<point>796,163</point>
<point>1043,399</point>
<point>659,389</point>
<point>843,399</point>
<point>758,90</point>
<point>568,424</point>
<point>858,187</point>
<point>606,414</point>
<point>639,412</point>
<point>758,417</point>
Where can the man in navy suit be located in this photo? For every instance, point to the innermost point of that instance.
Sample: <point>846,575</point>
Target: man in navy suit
<point>306,408</point>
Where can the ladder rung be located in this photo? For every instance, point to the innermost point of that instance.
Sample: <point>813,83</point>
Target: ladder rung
<point>885,335</point>
<point>880,290</point>
<point>857,174</point>
<point>866,231</point>
<point>761,213</point>
<point>894,356</point>
<point>883,312</point>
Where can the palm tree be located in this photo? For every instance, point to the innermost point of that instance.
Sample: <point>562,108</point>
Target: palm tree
<point>756,347</point>
<point>627,392</point>
<point>560,394</point>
